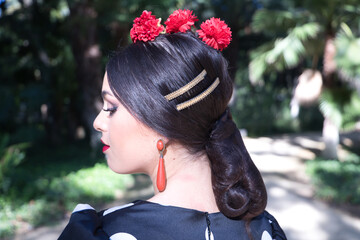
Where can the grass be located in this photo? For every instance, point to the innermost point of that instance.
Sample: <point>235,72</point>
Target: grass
<point>50,181</point>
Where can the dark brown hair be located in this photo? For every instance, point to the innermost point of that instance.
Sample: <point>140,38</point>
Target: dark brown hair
<point>141,75</point>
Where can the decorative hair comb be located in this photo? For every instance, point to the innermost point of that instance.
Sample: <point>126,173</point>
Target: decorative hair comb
<point>213,32</point>
<point>189,86</point>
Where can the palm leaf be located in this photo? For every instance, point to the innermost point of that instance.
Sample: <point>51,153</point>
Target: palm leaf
<point>283,52</point>
<point>330,108</point>
<point>258,64</point>
<point>348,53</point>
<point>275,22</point>
<point>306,31</point>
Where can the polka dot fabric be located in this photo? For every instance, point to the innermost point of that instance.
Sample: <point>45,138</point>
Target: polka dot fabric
<point>142,220</point>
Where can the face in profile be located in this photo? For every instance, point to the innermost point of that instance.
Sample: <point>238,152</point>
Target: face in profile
<point>129,145</point>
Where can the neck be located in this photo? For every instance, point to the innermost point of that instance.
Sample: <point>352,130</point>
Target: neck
<point>188,184</point>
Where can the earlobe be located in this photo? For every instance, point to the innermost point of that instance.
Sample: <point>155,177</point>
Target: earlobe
<point>158,137</point>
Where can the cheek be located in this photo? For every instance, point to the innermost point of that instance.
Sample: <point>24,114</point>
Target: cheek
<point>122,139</point>
<point>131,147</point>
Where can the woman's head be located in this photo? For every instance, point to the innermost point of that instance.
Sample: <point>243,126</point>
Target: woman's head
<point>142,74</point>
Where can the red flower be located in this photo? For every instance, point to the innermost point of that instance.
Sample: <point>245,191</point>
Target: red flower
<point>146,27</point>
<point>215,33</point>
<point>180,21</point>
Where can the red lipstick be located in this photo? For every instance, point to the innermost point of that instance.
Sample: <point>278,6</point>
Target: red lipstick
<point>105,147</point>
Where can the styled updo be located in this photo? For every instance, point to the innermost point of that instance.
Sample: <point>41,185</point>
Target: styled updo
<point>141,74</point>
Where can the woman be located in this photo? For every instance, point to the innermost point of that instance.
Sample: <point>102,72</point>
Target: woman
<point>165,114</point>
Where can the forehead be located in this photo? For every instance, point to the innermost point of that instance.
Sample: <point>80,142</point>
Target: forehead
<point>105,84</point>
<point>106,90</point>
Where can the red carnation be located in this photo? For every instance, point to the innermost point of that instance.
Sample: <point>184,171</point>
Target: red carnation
<point>180,21</point>
<point>215,33</point>
<point>146,27</point>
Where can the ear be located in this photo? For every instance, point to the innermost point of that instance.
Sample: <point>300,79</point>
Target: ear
<point>164,139</point>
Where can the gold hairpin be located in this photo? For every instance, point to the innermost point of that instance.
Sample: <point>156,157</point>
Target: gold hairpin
<point>187,87</point>
<point>199,97</point>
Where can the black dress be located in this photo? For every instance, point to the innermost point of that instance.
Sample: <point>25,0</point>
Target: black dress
<point>143,220</point>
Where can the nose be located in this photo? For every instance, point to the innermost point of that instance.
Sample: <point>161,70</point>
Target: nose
<point>99,123</point>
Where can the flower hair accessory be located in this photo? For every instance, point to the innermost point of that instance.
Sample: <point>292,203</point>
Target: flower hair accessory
<point>180,21</point>
<point>146,27</point>
<point>215,33</point>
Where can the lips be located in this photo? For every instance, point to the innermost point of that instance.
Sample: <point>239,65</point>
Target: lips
<point>105,147</point>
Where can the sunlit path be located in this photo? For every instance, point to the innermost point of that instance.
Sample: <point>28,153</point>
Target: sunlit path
<point>281,161</point>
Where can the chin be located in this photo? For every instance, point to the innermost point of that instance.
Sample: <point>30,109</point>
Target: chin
<point>118,169</point>
<point>115,169</point>
<point>113,166</point>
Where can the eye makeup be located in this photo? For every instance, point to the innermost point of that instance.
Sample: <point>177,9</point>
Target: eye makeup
<point>111,110</point>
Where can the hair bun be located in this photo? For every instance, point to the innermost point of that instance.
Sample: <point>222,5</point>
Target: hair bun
<point>223,127</point>
<point>236,181</point>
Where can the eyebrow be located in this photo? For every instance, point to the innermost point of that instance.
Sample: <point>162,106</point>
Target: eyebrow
<point>104,93</point>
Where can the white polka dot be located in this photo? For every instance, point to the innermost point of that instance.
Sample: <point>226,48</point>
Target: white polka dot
<point>113,209</point>
<point>82,207</point>
<point>207,235</point>
<point>122,236</point>
<point>266,236</point>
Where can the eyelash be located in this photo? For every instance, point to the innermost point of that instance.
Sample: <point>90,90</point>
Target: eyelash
<point>110,110</point>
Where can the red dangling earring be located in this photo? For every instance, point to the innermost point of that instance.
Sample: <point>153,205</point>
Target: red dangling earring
<point>161,176</point>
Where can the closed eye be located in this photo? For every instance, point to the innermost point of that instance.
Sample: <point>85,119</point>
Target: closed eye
<point>111,110</point>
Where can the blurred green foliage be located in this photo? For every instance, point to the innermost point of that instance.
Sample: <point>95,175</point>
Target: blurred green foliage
<point>262,110</point>
<point>46,65</point>
<point>309,34</point>
<point>348,56</point>
<point>50,182</point>
<point>336,181</point>
<point>342,105</point>
<point>10,158</point>
<point>318,35</point>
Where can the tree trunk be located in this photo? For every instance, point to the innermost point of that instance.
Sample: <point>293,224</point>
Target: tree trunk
<point>87,55</point>
<point>330,130</point>
<point>329,66</point>
<point>331,139</point>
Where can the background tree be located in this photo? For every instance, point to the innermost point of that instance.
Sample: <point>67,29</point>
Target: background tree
<point>37,84</point>
<point>303,35</point>
<point>52,67</point>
